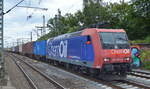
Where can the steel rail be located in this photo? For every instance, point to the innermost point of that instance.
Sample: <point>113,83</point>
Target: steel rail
<point>135,84</point>
<point>59,86</point>
<point>138,75</point>
<point>147,73</point>
<point>25,74</point>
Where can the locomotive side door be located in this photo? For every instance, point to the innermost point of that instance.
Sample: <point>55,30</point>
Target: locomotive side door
<point>87,50</point>
<point>83,49</point>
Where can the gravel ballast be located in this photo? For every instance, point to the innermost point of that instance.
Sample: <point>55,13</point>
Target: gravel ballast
<point>16,76</point>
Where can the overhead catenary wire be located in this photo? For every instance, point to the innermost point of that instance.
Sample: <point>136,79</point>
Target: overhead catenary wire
<point>33,7</point>
<point>13,7</point>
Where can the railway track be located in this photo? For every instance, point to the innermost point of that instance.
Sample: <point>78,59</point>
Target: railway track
<point>127,84</point>
<point>140,78</point>
<point>124,84</point>
<point>41,81</point>
<point>141,74</point>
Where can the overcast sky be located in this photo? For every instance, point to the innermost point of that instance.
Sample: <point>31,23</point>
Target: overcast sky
<point>16,24</point>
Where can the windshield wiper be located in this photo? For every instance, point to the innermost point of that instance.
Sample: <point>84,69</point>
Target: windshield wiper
<point>122,39</point>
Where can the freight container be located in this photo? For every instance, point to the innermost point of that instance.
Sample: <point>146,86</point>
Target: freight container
<point>27,49</point>
<point>13,49</point>
<point>17,49</point>
<point>40,48</point>
<point>20,48</point>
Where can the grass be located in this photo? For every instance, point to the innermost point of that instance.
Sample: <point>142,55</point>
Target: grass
<point>146,65</point>
<point>145,58</point>
<point>147,40</point>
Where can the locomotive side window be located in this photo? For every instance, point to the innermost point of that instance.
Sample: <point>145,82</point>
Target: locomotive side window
<point>114,40</point>
<point>88,38</point>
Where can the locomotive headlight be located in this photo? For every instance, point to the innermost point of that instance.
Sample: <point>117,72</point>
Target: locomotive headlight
<point>106,59</point>
<point>127,58</point>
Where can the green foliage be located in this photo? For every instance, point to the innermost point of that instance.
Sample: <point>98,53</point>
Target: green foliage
<point>72,29</point>
<point>140,21</point>
<point>142,7</point>
<point>94,13</point>
<point>146,64</point>
<point>147,40</point>
<point>145,58</point>
<point>145,54</point>
<point>119,14</point>
<point>127,16</point>
<point>45,37</point>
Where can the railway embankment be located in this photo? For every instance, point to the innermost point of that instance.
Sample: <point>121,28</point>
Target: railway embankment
<point>145,58</point>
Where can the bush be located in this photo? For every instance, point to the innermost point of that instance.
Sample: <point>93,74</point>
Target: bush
<point>145,58</point>
<point>147,40</point>
<point>146,65</point>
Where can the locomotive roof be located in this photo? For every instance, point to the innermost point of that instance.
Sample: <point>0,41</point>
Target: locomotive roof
<point>110,30</point>
<point>68,35</point>
<point>78,33</point>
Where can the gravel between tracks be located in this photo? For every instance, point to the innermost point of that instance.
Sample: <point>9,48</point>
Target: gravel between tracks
<point>40,81</point>
<point>16,76</point>
<point>68,80</point>
<point>139,80</point>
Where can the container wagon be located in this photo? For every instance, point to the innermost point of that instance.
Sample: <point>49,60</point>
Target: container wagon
<point>39,50</point>
<point>27,49</point>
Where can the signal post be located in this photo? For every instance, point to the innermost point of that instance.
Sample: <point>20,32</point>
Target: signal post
<point>1,42</point>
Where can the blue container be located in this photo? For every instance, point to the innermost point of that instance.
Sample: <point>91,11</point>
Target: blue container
<point>40,48</point>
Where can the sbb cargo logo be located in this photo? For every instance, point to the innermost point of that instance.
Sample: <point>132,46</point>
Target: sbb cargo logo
<point>57,49</point>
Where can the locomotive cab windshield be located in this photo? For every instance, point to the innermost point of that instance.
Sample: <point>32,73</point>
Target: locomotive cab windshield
<point>114,40</point>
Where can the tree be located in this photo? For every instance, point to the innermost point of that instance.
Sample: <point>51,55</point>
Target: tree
<point>141,13</point>
<point>141,7</point>
<point>94,12</point>
<point>124,15</point>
